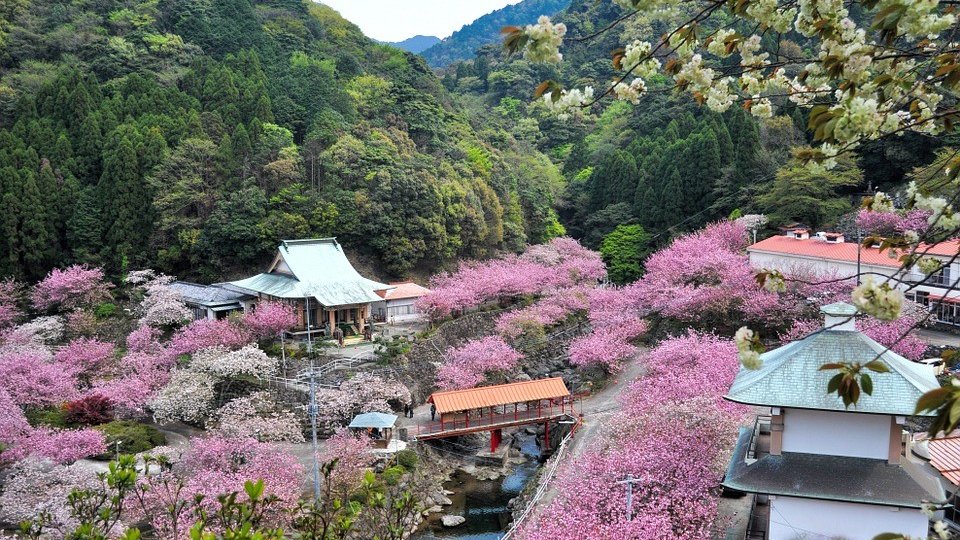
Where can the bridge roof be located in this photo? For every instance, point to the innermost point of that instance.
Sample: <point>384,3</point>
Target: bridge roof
<point>501,394</point>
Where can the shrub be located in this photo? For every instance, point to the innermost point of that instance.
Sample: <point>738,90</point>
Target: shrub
<point>133,437</point>
<point>105,310</point>
<point>408,459</point>
<point>55,417</point>
<point>392,475</point>
<point>89,410</point>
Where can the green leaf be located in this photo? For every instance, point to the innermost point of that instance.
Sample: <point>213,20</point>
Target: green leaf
<point>932,400</point>
<point>867,384</point>
<point>877,366</point>
<point>834,383</point>
<point>831,366</point>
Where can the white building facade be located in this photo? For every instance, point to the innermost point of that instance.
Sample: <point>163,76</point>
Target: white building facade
<point>829,255</point>
<point>819,470</point>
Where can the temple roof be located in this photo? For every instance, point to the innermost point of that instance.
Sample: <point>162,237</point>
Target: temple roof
<point>207,295</point>
<point>314,268</point>
<point>790,375</point>
<point>835,478</point>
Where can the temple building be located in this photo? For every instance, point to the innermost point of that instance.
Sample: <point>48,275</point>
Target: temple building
<point>316,277</point>
<point>817,469</point>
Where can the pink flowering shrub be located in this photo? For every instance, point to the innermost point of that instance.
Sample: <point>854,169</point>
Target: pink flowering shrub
<point>680,368</point>
<point>81,322</point>
<point>84,355</point>
<point>705,278</point>
<point>468,365</point>
<point>32,376</point>
<point>70,288</point>
<point>671,414</point>
<point>607,346</point>
<point>897,334</point>
<point>143,339</point>
<point>135,381</point>
<point>563,263</point>
<point>258,416</point>
<point>269,319</point>
<point>548,311</point>
<point>353,459</point>
<point>891,223</point>
<point>676,465</point>
<point>206,333</point>
<point>220,465</point>
<point>19,440</point>
<point>362,393</point>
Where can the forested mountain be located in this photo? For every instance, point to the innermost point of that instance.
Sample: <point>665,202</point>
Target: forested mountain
<point>416,44</point>
<point>193,135</point>
<point>667,163</point>
<point>463,44</point>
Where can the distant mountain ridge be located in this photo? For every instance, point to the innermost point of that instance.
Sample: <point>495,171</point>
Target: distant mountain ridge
<point>463,43</point>
<point>416,44</point>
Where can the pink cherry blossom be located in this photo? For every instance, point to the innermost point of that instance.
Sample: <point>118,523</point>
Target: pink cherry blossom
<point>69,288</point>
<point>10,292</point>
<point>206,333</point>
<point>352,452</point>
<point>607,346</point>
<point>269,319</point>
<point>143,339</point>
<point>467,365</point>
<point>84,355</point>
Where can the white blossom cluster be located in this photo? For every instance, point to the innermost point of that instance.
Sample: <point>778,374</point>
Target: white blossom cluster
<point>879,300</point>
<point>745,341</point>
<point>569,102</point>
<point>222,362</point>
<point>942,214</point>
<point>868,91</point>
<point>186,398</point>
<point>161,304</point>
<point>544,40</point>
<point>258,416</point>
<point>929,265</point>
<point>42,330</point>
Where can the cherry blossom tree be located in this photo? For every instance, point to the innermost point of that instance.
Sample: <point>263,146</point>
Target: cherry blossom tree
<point>259,417</point>
<point>161,304</point>
<point>562,263</point>
<point>207,333</point>
<point>19,440</point>
<point>248,361</point>
<point>32,376</point>
<point>552,309</point>
<point>188,397</point>
<point>84,355</point>
<point>353,457</point>
<point>143,339</point>
<point>468,365</point>
<point>362,393</point>
<point>269,319</point>
<point>607,346</point>
<point>70,288</point>
<point>32,487</point>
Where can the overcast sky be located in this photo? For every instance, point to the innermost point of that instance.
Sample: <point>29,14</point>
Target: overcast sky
<point>396,20</point>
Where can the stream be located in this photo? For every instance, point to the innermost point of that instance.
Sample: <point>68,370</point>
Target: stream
<point>482,502</point>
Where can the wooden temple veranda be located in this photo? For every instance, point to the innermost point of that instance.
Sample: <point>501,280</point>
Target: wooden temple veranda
<point>492,408</point>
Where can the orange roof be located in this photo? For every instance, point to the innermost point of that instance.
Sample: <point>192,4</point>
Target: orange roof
<point>845,251</point>
<point>501,394</point>
<point>405,289</point>
<point>945,457</point>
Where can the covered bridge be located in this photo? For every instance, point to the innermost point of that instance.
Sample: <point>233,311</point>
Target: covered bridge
<point>492,408</point>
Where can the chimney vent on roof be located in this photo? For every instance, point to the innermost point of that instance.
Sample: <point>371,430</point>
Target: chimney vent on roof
<point>839,316</point>
<point>831,237</point>
<point>799,234</point>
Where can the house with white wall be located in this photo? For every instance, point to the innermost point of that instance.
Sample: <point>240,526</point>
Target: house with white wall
<point>830,255</point>
<point>400,303</point>
<point>819,470</point>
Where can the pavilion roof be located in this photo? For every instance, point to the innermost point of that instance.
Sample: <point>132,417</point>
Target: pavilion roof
<point>315,268</point>
<point>501,394</point>
<point>373,420</point>
<point>834,478</point>
<point>790,375</point>
<point>945,456</point>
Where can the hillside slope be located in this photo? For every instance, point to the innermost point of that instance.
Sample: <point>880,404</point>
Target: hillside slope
<point>415,44</point>
<point>193,135</point>
<point>486,30</point>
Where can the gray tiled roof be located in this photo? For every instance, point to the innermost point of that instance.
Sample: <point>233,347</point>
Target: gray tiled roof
<point>320,270</point>
<point>790,376</point>
<point>208,295</point>
<point>835,478</point>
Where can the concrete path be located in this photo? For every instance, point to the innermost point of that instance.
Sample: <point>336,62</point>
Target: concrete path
<point>938,338</point>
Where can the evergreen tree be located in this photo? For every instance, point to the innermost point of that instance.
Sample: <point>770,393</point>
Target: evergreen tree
<point>127,203</point>
<point>614,180</point>
<point>85,228</point>
<point>34,235</point>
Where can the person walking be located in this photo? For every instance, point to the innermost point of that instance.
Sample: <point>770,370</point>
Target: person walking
<point>433,412</point>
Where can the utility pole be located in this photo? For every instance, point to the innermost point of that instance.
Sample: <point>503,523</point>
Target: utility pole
<point>859,243</point>
<point>312,411</point>
<point>309,326</point>
<point>629,485</point>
